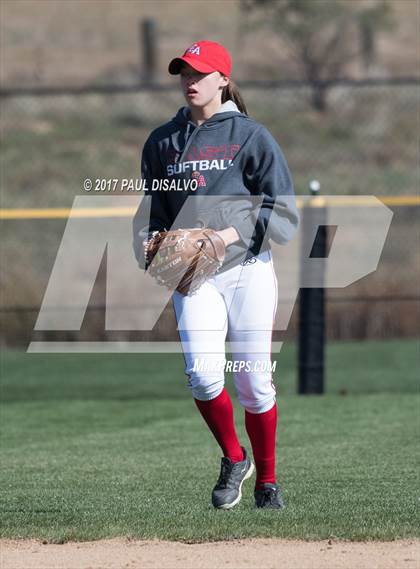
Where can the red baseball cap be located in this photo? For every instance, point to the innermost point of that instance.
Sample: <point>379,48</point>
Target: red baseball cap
<point>205,57</point>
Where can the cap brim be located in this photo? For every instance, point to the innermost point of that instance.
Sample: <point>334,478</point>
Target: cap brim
<point>175,65</point>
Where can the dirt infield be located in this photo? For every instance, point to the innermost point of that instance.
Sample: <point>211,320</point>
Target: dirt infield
<point>251,553</point>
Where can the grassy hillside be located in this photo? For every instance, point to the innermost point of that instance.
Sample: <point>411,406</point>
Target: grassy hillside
<point>365,144</point>
<point>56,42</point>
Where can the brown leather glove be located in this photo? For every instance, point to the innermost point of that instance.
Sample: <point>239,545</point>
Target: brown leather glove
<point>183,259</point>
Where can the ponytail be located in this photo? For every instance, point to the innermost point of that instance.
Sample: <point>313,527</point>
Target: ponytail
<point>231,93</point>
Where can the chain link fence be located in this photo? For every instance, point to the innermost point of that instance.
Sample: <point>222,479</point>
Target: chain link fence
<point>366,143</point>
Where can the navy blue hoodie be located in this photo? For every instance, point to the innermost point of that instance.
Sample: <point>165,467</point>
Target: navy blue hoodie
<point>232,158</point>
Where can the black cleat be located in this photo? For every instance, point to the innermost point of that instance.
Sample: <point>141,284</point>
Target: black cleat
<point>227,492</point>
<point>268,497</point>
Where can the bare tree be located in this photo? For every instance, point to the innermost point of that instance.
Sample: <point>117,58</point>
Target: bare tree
<point>324,36</point>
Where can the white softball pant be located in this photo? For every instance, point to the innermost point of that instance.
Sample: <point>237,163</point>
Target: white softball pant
<point>238,304</point>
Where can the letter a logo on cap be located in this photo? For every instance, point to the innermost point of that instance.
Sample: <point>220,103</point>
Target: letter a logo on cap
<point>194,49</point>
<point>205,57</point>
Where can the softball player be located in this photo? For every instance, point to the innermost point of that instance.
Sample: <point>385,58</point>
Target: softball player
<point>213,141</point>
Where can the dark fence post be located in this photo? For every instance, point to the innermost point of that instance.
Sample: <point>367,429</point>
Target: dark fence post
<point>311,306</point>
<point>148,47</point>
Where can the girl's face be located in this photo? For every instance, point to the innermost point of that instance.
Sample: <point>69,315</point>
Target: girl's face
<point>200,89</point>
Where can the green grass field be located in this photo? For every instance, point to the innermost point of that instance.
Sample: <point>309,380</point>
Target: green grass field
<point>97,446</point>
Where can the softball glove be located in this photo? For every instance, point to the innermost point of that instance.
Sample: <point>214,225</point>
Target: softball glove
<point>183,259</point>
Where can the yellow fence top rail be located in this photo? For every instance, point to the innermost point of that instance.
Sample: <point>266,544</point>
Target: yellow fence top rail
<point>317,201</point>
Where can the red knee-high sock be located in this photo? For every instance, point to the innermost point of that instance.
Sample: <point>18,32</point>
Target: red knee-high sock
<point>218,414</point>
<point>261,429</point>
